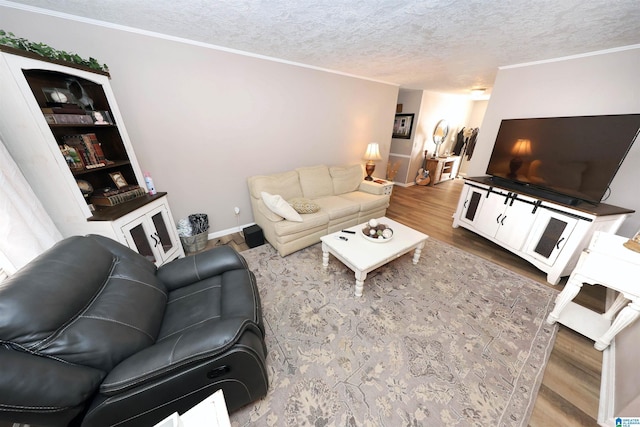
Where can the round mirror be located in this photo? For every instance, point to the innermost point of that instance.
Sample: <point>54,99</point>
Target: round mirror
<point>440,133</point>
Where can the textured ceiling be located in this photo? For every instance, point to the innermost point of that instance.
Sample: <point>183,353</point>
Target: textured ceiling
<point>447,46</point>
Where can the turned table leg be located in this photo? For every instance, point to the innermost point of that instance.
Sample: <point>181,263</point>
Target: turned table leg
<point>325,256</point>
<point>617,305</point>
<point>625,318</point>
<point>417,252</point>
<point>360,276</point>
<point>567,295</point>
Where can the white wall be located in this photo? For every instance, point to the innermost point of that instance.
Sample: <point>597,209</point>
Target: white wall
<point>603,83</point>
<point>429,108</point>
<point>402,149</point>
<point>202,119</point>
<point>475,121</point>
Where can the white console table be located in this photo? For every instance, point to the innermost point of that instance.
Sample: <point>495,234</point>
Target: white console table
<point>608,263</point>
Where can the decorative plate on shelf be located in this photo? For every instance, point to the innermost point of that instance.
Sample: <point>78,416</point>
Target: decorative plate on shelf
<point>85,187</point>
<point>376,232</point>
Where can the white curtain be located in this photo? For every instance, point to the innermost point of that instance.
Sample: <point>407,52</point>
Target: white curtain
<point>26,230</point>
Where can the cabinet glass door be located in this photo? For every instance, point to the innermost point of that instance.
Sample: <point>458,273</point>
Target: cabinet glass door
<point>550,232</point>
<point>162,235</point>
<point>472,204</point>
<point>138,235</point>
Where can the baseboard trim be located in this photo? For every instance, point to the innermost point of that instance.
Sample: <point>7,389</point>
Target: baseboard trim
<point>228,231</point>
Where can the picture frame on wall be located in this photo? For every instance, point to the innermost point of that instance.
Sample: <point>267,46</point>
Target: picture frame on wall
<point>402,126</point>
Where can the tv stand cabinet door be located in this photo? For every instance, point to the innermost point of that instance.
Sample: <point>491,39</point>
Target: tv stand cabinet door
<point>492,215</point>
<point>515,224</point>
<point>550,233</point>
<point>469,206</point>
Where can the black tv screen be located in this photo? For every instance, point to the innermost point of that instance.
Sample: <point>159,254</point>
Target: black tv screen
<point>570,156</point>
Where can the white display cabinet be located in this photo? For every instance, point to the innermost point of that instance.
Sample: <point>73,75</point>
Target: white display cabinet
<point>36,122</point>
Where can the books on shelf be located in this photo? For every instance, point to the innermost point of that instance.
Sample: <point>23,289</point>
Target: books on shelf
<point>70,115</point>
<point>88,148</point>
<point>68,119</point>
<point>112,197</point>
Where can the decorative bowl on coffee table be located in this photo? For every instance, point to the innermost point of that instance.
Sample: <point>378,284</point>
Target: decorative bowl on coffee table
<point>378,233</point>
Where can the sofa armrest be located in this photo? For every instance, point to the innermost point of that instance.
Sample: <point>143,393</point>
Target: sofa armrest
<point>366,188</point>
<point>171,355</point>
<point>31,384</point>
<point>213,262</point>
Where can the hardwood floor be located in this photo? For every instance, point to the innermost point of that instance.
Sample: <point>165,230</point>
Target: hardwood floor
<point>570,387</point>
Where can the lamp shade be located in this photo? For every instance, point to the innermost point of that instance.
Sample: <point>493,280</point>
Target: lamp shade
<point>522,147</point>
<point>373,152</point>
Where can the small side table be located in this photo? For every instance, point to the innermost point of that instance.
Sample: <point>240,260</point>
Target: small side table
<point>443,168</point>
<point>608,263</point>
<point>378,186</point>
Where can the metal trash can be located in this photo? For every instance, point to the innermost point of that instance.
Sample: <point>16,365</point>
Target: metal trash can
<point>192,244</point>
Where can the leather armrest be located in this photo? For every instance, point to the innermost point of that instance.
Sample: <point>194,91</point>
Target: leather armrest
<point>186,271</point>
<point>167,356</point>
<point>30,383</point>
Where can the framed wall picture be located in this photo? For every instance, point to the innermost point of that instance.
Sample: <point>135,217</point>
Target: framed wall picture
<point>402,126</point>
<point>118,179</point>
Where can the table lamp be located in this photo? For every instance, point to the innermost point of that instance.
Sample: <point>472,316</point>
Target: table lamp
<point>372,154</point>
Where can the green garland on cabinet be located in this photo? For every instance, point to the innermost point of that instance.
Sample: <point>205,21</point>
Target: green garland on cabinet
<point>9,39</point>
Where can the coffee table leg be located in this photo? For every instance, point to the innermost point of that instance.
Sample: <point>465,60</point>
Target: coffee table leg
<point>360,276</point>
<point>417,252</point>
<point>325,256</point>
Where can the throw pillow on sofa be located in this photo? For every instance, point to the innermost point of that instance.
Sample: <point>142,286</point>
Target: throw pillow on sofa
<point>279,206</point>
<point>304,206</point>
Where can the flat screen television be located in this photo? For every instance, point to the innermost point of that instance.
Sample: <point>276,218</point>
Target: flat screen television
<point>565,159</point>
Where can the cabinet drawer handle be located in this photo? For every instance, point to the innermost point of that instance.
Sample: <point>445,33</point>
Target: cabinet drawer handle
<point>155,238</point>
<point>498,219</point>
<point>465,203</point>
<point>502,220</point>
<point>558,244</point>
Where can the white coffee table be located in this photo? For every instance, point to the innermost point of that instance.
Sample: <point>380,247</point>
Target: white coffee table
<point>363,256</point>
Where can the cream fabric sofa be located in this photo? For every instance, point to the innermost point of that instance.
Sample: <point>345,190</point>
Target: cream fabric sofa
<point>336,190</point>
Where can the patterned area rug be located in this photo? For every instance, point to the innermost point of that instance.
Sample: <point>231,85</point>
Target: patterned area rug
<point>454,340</point>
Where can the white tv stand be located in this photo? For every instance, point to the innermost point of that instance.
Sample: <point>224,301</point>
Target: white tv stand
<point>548,234</point>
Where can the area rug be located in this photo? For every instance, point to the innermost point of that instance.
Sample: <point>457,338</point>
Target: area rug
<point>452,341</point>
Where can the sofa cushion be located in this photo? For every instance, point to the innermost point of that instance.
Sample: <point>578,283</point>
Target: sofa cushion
<point>304,206</point>
<point>311,221</point>
<point>279,206</point>
<point>338,207</point>
<point>286,184</point>
<point>346,178</point>
<point>367,201</point>
<point>315,182</point>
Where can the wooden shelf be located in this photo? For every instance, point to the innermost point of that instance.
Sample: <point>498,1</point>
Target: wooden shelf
<point>443,168</point>
<point>111,213</point>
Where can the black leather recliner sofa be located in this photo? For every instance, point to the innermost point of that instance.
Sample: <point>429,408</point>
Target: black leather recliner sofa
<point>93,334</point>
